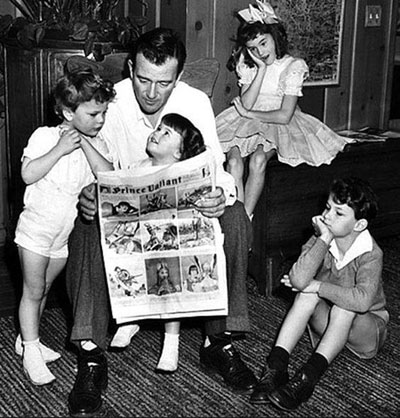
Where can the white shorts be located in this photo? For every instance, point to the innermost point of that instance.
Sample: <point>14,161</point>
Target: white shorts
<point>46,234</point>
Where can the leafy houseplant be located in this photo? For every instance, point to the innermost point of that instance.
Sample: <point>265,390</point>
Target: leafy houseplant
<point>91,22</point>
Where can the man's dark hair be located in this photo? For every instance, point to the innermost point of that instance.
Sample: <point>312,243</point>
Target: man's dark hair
<point>357,194</point>
<point>159,45</point>
<point>192,139</point>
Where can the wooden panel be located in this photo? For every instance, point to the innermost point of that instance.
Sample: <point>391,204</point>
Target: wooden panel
<point>173,15</point>
<point>226,24</point>
<point>367,73</point>
<point>24,114</point>
<point>337,98</point>
<point>199,29</point>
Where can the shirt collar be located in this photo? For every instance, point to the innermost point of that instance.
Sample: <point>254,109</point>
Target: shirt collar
<point>361,245</point>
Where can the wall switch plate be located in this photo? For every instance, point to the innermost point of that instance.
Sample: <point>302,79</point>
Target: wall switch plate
<point>373,15</point>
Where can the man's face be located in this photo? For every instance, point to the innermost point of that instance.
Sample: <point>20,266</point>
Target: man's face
<point>153,84</point>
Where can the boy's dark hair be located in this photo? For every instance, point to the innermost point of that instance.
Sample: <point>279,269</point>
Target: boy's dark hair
<point>159,45</point>
<point>79,86</point>
<point>357,194</point>
<point>192,139</point>
<point>249,31</point>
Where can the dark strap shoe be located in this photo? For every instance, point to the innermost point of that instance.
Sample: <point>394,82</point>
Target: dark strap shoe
<point>85,397</point>
<point>298,390</point>
<point>270,379</point>
<point>225,361</point>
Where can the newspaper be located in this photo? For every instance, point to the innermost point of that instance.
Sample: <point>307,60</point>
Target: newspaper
<point>162,258</point>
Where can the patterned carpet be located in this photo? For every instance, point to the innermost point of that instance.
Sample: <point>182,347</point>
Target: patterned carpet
<point>350,388</point>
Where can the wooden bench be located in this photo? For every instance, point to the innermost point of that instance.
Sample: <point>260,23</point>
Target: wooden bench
<point>292,195</point>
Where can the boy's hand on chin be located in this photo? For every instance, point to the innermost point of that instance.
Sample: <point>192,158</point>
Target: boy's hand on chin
<point>321,230</point>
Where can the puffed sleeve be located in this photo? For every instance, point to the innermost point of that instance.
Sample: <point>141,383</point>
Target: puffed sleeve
<point>294,77</point>
<point>42,140</point>
<point>244,73</point>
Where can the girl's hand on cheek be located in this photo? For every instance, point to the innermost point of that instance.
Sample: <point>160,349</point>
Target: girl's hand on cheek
<point>259,62</point>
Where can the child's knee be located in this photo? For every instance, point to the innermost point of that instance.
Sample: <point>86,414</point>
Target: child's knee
<point>235,165</point>
<point>337,312</point>
<point>35,293</point>
<point>306,301</point>
<point>258,162</point>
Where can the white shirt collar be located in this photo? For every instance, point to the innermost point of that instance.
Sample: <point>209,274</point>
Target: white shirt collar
<point>361,245</point>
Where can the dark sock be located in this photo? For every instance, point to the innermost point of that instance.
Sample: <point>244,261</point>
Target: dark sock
<point>316,366</point>
<point>224,338</point>
<point>278,359</point>
<point>90,353</point>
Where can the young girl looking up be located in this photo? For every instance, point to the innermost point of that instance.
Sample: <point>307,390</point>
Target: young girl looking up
<point>56,164</point>
<point>265,119</point>
<point>175,139</point>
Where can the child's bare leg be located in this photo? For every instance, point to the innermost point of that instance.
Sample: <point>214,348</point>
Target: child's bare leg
<point>256,179</point>
<point>275,373</point>
<point>296,320</point>
<point>299,389</point>
<point>38,274</point>
<point>336,334</point>
<point>235,166</point>
<point>168,362</point>
<point>54,268</point>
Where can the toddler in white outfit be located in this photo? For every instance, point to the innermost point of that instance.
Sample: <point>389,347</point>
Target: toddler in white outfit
<point>56,164</point>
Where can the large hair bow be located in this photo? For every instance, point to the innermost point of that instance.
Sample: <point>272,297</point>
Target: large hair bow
<point>263,13</point>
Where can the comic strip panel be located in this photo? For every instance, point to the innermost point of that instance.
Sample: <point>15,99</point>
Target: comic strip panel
<point>195,230</point>
<point>123,237</point>
<point>128,207</point>
<point>126,279</point>
<point>187,197</point>
<point>160,235</point>
<point>200,273</point>
<point>155,204</point>
<point>163,276</point>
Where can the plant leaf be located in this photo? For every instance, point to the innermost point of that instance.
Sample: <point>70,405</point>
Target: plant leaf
<point>80,31</point>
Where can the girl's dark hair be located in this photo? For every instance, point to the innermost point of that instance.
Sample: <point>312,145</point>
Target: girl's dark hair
<point>357,194</point>
<point>248,32</point>
<point>192,139</point>
<point>81,86</point>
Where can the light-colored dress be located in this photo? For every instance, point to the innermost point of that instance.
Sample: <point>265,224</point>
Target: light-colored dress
<point>305,139</point>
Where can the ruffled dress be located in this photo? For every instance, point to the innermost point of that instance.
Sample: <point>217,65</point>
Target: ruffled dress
<point>305,139</point>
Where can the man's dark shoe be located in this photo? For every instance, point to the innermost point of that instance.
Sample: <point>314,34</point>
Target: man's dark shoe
<point>85,397</point>
<point>225,361</point>
<point>298,390</point>
<point>270,379</point>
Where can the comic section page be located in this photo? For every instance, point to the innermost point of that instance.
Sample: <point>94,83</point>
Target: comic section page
<point>163,259</point>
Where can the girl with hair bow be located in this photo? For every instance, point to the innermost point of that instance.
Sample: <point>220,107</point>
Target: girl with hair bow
<point>266,119</point>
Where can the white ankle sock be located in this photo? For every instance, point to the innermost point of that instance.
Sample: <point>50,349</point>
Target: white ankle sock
<point>124,334</point>
<point>34,364</point>
<point>88,345</point>
<point>170,354</point>
<point>49,355</point>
